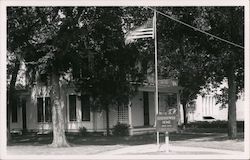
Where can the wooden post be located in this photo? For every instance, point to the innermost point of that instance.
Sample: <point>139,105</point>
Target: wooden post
<point>167,142</point>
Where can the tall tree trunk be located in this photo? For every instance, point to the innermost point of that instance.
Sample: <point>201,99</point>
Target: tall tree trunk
<point>12,96</point>
<point>107,119</point>
<point>59,138</point>
<point>232,121</point>
<point>232,125</point>
<point>185,118</point>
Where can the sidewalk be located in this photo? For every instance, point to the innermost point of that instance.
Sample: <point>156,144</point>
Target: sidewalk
<point>147,149</point>
<point>153,149</point>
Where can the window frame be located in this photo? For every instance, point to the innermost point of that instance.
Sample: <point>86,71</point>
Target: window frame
<point>14,107</point>
<point>69,108</point>
<point>43,111</point>
<point>83,105</point>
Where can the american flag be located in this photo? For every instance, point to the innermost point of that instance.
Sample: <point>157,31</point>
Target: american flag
<point>144,31</point>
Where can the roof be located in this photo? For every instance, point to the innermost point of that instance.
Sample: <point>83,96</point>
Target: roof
<point>163,89</point>
<point>164,85</point>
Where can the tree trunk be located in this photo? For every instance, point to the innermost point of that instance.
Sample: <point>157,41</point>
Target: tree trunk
<point>11,96</point>
<point>185,118</point>
<point>107,120</point>
<point>232,121</point>
<point>59,138</point>
<point>232,125</point>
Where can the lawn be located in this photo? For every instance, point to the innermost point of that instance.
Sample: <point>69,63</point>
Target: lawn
<point>97,139</point>
<point>100,143</point>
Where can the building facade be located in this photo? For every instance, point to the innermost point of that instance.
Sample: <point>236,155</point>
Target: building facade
<point>33,110</point>
<point>206,108</point>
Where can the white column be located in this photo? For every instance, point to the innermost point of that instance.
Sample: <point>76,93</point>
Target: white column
<point>178,108</point>
<point>206,106</point>
<point>202,106</point>
<point>210,105</point>
<point>213,105</point>
<point>130,118</point>
<point>94,120</point>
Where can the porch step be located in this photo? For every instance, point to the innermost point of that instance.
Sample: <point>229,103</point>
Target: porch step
<point>140,131</point>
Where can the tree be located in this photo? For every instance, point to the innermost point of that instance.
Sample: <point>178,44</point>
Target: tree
<point>182,54</point>
<point>60,41</point>
<point>178,54</point>
<point>205,59</point>
<point>197,59</point>
<point>13,66</point>
<point>229,23</point>
<point>107,75</point>
<point>32,31</point>
<point>19,29</point>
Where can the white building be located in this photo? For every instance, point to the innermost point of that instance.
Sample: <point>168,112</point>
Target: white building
<point>205,108</point>
<point>33,110</point>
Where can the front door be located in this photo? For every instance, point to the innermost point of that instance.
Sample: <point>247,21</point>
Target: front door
<point>146,108</point>
<point>24,113</point>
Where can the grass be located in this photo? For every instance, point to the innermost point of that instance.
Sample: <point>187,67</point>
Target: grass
<point>205,139</point>
<point>94,143</point>
<point>34,139</point>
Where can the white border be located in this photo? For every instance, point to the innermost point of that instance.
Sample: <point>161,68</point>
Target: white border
<point>125,3</point>
<point>3,45</point>
<point>247,84</point>
<point>3,74</point>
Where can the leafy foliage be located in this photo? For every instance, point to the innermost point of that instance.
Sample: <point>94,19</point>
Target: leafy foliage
<point>88,42</point>
<point>212,124</point>
<point>83,131</point>
<point>121,130</point>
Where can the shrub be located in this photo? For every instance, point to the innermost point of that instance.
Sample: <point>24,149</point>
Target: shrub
<point>121,129</point>
<point>212,124</point>
<point>83,131</point>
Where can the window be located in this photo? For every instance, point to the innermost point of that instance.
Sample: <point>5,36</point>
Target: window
<point>40,113</point>
<point>123,114</point>
<point>48,114</point>
<point>208,103</point>
<point>72,107</point>
<point>85,106</point>
<point>14,111</point>
<point>44,109</point>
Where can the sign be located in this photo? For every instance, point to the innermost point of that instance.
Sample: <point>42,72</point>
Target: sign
<point>167,121</point>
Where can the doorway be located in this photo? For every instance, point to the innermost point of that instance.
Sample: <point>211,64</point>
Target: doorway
<point>23,103</point>
<point>146,108</point>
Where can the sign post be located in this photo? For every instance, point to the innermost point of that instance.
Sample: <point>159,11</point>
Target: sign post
<point>167,122</point>
<point>156,77</point>
<point>166,142</point>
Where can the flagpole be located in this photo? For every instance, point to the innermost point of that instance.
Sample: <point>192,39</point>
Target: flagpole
<point>156,77</point>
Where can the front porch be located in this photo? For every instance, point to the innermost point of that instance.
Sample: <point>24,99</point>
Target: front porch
<point>141,111</point>
<point>142,130</point>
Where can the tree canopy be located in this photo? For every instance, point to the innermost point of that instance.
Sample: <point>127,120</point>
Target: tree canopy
<point>88,43</point>
<point>198,59</point>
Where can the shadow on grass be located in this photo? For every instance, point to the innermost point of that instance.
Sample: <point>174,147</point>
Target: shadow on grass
<point>75,140</point>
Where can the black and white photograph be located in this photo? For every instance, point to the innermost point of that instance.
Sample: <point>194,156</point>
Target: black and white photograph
<point>128,80</point>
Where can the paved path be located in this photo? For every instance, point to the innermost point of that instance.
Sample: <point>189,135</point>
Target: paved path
<point>153,149</point>
<point>150,149</point>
